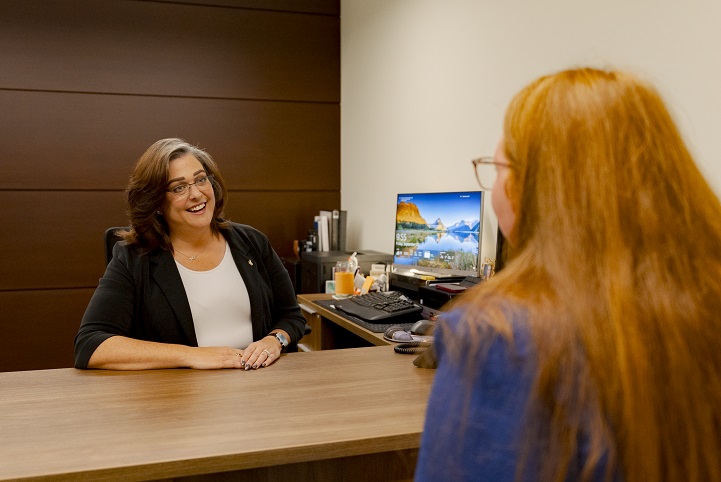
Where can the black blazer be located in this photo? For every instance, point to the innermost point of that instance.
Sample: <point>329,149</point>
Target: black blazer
<point>143,297</point>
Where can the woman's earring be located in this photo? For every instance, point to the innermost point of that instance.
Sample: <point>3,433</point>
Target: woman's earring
<point>160,213</point>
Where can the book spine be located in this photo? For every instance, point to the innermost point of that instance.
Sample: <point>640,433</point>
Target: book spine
<point>335,231</point>
<point>323,235</point>
<point>342,215</point>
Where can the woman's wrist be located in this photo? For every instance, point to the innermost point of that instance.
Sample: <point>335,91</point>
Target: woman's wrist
<point>281,337</point>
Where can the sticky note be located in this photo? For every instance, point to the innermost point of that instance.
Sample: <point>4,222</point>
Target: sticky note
<point>367,284</point>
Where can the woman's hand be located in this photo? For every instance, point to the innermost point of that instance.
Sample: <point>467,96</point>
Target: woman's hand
<point>261,353</point>
<point>213,357</point>
<point>122,353</point>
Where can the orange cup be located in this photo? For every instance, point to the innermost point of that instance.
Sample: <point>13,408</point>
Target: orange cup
<point>343,283</point>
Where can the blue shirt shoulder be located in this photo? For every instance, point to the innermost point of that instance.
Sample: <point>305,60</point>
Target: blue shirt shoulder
<point>476,415</point>
<point>477,403</point>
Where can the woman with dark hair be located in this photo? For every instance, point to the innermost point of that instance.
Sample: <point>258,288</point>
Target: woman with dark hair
<point>187,288</point>
<point>595,354</point>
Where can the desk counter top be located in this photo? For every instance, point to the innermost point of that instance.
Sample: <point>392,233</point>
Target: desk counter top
<point>306,300</point>
<point>132,425</point>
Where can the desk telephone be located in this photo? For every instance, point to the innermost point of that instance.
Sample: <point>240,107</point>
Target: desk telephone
<point>414,341</point>
<point>423,348</point>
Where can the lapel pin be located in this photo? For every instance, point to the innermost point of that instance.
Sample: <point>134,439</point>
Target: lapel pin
<point>250,262</point>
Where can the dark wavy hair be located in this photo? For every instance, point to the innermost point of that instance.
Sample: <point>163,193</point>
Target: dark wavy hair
<point>147,191</point>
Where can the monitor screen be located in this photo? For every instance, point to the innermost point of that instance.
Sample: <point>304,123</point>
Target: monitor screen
<point>439,233</point>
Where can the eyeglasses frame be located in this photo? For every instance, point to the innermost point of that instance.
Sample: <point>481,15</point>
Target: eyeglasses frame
<point>187,185</point>
<point>485,161</point>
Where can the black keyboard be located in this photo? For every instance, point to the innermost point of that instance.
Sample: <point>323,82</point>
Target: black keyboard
<point>380,307</point>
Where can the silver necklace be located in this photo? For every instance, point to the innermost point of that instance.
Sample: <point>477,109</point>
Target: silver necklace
<point>192,258</point>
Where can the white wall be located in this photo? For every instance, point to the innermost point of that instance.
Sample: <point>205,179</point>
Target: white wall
<point>425,83</point>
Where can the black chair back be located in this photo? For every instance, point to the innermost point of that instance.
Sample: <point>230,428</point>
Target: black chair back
<point>111,238</point>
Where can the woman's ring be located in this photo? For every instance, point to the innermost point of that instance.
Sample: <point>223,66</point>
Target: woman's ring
<point>267,353</point>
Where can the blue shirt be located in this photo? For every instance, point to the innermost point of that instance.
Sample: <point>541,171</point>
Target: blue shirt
<point>476,410</point>
<point>473,422</point>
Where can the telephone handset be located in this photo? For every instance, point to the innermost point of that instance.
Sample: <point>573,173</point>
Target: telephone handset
<point>408,342</point>
<point>412,347</point>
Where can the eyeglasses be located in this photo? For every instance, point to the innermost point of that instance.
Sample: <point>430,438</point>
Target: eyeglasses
<point>486,169</point>
<point>183,189</point>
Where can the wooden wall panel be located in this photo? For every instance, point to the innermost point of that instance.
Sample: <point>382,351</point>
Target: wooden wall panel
<point>79,141</point>
<point>86,86</point>
<point>40,327</point>
<point>283,217</point>
<point>58,243</point>
<point>152,48</point>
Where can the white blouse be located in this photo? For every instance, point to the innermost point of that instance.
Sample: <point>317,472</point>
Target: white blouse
<point>219,303</point>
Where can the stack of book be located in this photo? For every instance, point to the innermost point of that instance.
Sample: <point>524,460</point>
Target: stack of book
<point>331,229</point>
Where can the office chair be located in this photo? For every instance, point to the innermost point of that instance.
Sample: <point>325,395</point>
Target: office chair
<point>111,238</point>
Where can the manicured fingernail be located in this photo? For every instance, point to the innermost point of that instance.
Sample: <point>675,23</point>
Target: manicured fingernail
<point>242,363</point>
<point>264,365</point>
<point>247,367</point>
<point>255,366</point>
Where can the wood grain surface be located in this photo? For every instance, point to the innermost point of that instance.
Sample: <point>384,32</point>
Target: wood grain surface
<point>104,425</point>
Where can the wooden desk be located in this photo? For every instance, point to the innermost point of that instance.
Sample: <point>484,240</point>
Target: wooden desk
<point>327,415</point>
<point>332,331</point>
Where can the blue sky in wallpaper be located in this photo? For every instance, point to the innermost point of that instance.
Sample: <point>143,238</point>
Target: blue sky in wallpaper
<point>450,207</point>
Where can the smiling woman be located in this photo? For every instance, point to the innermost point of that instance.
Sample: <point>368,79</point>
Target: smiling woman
<point>187,288</point>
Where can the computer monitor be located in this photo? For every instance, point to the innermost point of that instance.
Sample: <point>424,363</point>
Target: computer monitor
<point>439,233</point>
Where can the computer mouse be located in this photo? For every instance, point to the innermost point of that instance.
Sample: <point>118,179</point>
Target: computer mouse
<point>423,327</point>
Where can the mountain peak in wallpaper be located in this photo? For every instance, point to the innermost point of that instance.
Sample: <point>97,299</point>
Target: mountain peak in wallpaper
<point>408,212</point>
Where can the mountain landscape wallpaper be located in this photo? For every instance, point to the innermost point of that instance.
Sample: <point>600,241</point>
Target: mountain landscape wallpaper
<point>438,230</point>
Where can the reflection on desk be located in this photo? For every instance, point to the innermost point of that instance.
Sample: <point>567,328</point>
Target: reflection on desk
<point>324,415</point>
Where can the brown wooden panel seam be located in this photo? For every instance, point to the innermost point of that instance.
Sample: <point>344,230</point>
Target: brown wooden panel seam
<point>163,96</point>
<point>250,9</point>
<point>62,288</point>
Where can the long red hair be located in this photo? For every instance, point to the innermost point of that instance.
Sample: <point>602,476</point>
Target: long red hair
<point>617,260</point>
